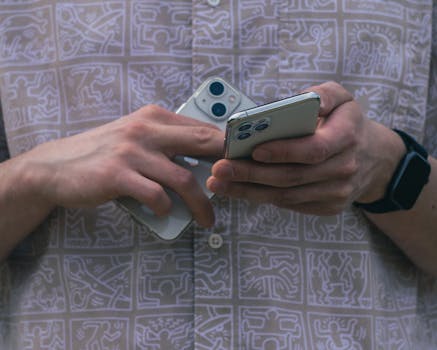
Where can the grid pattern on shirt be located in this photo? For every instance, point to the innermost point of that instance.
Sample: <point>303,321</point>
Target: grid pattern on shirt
<point>91,279</point>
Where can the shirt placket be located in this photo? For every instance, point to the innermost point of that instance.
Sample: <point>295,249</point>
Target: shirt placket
<point>213,55</point>
<point>248,60</point>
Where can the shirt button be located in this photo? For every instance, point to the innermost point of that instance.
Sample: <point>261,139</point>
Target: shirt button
<point>214,2</point>
<point>215,241</point>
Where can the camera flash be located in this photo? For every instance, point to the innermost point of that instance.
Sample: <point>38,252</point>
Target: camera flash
<point>232,98</point>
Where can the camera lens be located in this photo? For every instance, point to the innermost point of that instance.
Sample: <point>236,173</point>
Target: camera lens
<point>244,127</point>
<point>218,109</point>
<point>243,135</point>
<point>216,88</point>
<point>261,127</point>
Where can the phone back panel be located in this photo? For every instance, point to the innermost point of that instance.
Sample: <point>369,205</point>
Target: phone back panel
<point>292,117</point>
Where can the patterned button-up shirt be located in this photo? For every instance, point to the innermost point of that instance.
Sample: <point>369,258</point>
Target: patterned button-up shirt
<point>95,279</point>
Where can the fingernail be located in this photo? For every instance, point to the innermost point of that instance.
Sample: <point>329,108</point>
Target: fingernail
<point>262,155</point>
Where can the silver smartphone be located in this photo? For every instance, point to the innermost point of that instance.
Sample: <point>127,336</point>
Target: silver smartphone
<point>291,117</point>
<point>214,101</point>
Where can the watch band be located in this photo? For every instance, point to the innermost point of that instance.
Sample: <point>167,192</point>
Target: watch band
<point>411,143</point>
<point>387,204</point>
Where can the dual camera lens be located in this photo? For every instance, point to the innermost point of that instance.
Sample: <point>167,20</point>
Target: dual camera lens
<point>218,109</point>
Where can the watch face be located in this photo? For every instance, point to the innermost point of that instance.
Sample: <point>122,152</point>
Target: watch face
<point>410,180</point>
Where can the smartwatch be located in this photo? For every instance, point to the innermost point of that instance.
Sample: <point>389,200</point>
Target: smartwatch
<point>409,178</point>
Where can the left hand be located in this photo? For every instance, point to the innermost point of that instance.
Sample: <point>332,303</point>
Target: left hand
<point>349,158</point>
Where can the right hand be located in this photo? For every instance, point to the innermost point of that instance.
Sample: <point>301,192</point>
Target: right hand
<point>130,156</point>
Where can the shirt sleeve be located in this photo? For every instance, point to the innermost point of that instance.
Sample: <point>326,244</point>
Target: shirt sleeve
<point>4,151</point>
<point>430,137</point>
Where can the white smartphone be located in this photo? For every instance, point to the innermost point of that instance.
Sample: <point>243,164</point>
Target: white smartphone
<point>214,101</point>
<point>291,117</point>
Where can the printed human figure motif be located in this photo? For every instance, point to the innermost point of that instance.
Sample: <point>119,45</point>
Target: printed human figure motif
<point>273,329</point>
<point>375,53</point>
<point>338,334</point>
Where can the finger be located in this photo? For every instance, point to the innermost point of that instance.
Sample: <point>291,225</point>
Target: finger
<point>170,138</point>
<point>148,192</point>
<point>332,193</point>
<point>184,183</point>
<point>157,113</point>
<point>328,192</point>
<point>336,134</point>
<point>341,166</point>
<point>331,95</point>
<point>342,126</point>
<point>192,140</point>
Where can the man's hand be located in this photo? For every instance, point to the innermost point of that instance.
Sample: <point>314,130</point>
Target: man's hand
<point>349,158</point>
<point>128,157</point>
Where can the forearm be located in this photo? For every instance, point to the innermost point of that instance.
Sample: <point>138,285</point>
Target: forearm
<point>22,206</point>
<point>415,230</point>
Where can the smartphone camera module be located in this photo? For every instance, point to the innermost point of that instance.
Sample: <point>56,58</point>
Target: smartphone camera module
<point>218,109</point>
<point>216,88</point>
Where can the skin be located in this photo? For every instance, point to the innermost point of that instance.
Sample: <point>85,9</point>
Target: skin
<point>128,157</point>
<point>349,158</point>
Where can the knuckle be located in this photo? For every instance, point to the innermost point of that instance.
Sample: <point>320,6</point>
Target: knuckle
<point>202,134</point>
<point>349,169</point>
<point>335,86</point>
<point>155,193</point>
<point>124,150</point>
<point>319,153</point>
<point>343,193</point>
<point>134,129</point>
<point>153,113</point>
<point>324,92</point>
<point>332,84</point>
<point>185,179</point>
<point>151,110</point>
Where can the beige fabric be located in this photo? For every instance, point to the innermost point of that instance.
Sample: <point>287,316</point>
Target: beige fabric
<point>94,279</point>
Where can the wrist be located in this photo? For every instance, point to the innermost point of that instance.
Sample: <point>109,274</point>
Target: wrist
<point>389,153</point>
<point>30,181</point>
<point>22,203</point>
<point>407,181</point>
